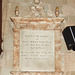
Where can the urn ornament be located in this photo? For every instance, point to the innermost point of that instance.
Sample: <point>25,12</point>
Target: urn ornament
<point>57,11</point>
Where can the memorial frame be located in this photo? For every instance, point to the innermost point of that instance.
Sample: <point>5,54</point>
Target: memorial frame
<point>37,24</point>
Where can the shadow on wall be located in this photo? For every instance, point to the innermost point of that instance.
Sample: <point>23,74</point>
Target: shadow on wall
<point>1,26</point>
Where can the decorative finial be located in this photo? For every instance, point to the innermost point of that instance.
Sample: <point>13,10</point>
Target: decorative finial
<point>36,1</point>
<point>17,11</point>
<point>57,11</point>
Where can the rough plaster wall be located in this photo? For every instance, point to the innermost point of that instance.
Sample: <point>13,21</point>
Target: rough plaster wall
<point>67,11</point>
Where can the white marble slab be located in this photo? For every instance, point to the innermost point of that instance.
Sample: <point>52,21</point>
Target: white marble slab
<point>37,51</point>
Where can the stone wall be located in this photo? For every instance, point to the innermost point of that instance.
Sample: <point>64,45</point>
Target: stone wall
<point>67,11</point>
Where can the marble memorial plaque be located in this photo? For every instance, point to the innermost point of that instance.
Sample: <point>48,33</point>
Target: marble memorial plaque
<point>37,50</point>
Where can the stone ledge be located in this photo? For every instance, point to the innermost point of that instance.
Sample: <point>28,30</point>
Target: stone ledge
<point>36,73</point>
<point>19,19</point>
<point>37,23</point>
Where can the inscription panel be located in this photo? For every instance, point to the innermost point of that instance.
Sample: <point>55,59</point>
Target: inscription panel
<point>37,50</point>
